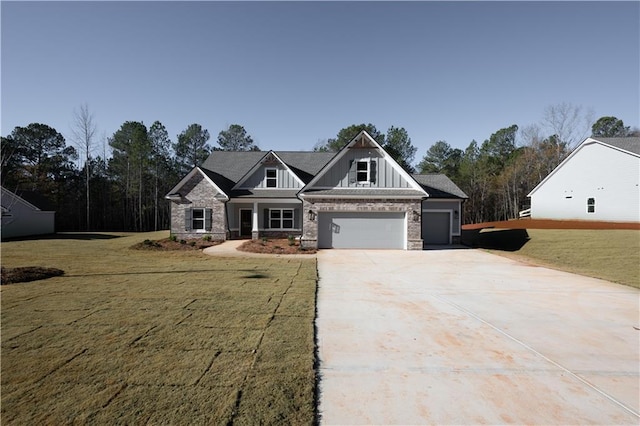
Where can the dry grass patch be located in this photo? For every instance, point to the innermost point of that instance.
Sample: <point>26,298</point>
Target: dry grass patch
<point>612,255</point>
<point>137,336</point>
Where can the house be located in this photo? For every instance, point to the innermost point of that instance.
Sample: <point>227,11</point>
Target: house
<point>598,181</point>
<point>358,197</point>
<point>21,218</point>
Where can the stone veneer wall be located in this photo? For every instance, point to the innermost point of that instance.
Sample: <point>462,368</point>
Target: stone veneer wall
<point>310,227</point>
<point>198,193</point>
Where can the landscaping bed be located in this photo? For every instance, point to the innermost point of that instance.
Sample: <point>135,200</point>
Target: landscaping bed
<point>25,274</point>
<point>275,246</point>
<point>169,244</point>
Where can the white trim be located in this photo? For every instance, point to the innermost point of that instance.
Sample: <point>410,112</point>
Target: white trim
<point>282,219</point>
<point>367,181</point>
<point>267,178</point>
<point>363,134</point>
<point>185,179</point>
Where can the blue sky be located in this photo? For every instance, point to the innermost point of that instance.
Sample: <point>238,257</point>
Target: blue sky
<point>294,73</point>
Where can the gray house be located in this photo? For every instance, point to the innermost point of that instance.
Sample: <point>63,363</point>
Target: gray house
<point>21,217</point>
<point>358,197</point>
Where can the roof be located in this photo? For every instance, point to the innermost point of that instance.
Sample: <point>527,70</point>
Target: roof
<point>32,199</point>
<point>231,166</point>
<point>631,144</point>
<point>438,185</point>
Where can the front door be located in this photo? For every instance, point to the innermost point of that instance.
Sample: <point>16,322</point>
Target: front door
<point>246,217</point>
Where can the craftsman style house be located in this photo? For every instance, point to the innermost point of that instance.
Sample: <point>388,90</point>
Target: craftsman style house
<point>358,197</point>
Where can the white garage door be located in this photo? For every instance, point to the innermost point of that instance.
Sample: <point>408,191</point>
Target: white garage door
<point>361,230</point>
<point>436,227</point>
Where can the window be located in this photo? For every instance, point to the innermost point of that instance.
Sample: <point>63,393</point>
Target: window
<point>281,218</point>
<point>591,205</point>
<point>197,220</point>
<point>271,176</point>
<point>362,171</point>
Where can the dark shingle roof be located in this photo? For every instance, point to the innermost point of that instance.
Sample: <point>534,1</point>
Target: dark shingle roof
<point>226,168</point>
<point>438,185</point>
<point>628,144</point>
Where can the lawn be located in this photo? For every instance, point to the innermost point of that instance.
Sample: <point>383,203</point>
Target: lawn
<point>134,336</point>
<point>612,255</point>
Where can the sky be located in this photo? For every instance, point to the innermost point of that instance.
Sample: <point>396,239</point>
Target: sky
<point>295,73</point>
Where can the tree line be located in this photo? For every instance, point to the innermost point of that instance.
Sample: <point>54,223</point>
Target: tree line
<point>125,191</point>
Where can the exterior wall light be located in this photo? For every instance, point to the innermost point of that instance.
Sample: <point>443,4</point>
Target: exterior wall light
<point>456,214</point>
<point>416,216</point>
<point>312,215</point>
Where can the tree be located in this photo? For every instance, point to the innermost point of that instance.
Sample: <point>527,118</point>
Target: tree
<point>398,145</point>
<point>192,148</point>
<point>131,155</point>
<point>40,156</point>
<point>609,127</point>
<point>570,123</point>
<point>235,138</point>
<point>160,145</point>
<point>83,132</point>
<point>437,158</point>
<point>347,134</point>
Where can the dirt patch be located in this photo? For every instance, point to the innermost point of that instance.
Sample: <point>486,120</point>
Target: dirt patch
<point>275,246</point>
<point>168,244</point>
<point>27,273</point>
<point>552,224</point>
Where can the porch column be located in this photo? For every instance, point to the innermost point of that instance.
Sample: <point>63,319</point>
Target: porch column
<point>254,223</point>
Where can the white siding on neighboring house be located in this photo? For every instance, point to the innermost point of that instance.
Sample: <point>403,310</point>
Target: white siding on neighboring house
<point>597,182</point>
<point>20,218</point>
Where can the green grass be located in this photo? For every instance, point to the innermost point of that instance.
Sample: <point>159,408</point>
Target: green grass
<point>130,336</point>
<point>612,255</point>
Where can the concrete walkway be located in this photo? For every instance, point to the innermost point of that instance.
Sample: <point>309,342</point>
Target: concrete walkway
<point>466,337</point>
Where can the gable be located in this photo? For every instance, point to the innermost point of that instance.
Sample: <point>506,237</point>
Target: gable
<point>595,162</point>
<point>187,183</point>
<point>363,164</point>
<point>270,173</point>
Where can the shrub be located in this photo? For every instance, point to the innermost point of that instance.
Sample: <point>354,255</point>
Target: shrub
<point>207,238</point>
<point>264,240</point>
<point>292,240</point>
<point>173,238</point>
<point>183,242</point>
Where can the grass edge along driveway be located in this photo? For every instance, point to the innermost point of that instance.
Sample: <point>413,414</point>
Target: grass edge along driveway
<point>162,337</point>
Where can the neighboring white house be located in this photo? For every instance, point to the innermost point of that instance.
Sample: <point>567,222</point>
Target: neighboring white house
<point>598,181</point>
<point>20,218</point>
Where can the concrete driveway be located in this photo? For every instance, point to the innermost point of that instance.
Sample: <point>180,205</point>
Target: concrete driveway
<point>466,337</point>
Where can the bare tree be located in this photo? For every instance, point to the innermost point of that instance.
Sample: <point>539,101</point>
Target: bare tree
<point>83,132</point>
<point>569,123</point>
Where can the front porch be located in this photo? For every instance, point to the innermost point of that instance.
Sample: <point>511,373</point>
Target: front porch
<point>255,219</point>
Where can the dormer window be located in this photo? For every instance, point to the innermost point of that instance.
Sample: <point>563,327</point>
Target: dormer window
<point>362,171</point>
<point>271,176</point>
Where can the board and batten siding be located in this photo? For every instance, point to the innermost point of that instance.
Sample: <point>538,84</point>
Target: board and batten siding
<point>258,179</point>
<point>387,176</point>
<point>607,175</point>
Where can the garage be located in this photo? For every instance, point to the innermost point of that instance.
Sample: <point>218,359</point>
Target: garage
<point>370,230</point>
<point>436,227</point>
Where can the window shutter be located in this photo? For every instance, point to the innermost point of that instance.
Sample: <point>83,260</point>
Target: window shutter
<point>188,218</point>
<point>265,217</point>
<point>372,171</point>
<point>208,213</point>
<point>352,171</point>
<point>296,218</point>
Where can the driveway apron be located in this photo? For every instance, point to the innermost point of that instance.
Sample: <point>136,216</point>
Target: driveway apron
<point>467,337</point>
